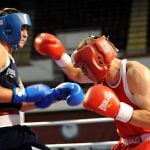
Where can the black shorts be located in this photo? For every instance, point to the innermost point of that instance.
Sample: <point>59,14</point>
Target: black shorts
<point>19,138</point>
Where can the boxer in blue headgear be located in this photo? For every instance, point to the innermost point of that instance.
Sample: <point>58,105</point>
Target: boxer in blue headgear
<point>14,26</point>
<point>14,97</point>
<point>11,25</point>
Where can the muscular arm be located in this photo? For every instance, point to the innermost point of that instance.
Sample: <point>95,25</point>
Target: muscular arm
<point>48,44</point>
<point>6,97</point>
<point>75,74</point>
<point>139,84</point>
<point>5,93</point>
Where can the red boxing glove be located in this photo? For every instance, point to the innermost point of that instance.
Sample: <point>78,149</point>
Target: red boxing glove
<point>102,100</point>
<point>48,44</point>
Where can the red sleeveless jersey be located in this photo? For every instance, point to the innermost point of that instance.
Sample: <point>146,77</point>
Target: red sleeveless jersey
<point>126,130</point>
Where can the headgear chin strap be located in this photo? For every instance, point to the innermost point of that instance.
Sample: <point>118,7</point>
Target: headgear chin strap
<point>94,56</point>
<point>11,25</point>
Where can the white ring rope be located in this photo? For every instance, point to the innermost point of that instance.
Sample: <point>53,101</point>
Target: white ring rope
<point>66,122</point>
<point>102,145</point>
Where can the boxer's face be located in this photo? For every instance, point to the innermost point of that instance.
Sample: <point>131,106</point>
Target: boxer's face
<point>24,36</point>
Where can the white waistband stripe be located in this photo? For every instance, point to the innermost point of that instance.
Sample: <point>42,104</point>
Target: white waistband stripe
<point>9,120</point>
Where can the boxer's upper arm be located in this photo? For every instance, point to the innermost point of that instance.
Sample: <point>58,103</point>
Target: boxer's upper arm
<point>4,60</point>
<point>139,84</point>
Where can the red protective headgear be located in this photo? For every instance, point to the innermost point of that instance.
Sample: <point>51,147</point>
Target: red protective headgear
<point>94,56</point>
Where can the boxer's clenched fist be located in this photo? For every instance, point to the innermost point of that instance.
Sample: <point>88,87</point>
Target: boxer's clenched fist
<point>102,100</point>
<point>48,44</point>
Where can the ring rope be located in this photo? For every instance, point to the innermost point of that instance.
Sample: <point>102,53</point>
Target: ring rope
<point>101,144</point>
<point>106,144</point>
<point>64,122</point>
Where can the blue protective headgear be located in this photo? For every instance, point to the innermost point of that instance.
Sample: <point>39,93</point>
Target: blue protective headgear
<point>10,27</point>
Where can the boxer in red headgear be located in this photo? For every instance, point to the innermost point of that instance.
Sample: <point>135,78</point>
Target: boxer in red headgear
<point>94,56</point>
<point>124,91</point>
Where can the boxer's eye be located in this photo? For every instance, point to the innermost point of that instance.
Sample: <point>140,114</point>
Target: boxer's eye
<point>100,60</point>
<point>84,70</point>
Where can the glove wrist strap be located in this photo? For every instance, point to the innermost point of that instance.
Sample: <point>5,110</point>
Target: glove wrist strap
<point>64,60</point>
<point>125,112</point>
<point>19,95</point>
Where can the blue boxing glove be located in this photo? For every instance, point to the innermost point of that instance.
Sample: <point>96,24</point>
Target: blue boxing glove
<point>33,93</point>
<point>43,96</point>
<point>71,92</point>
